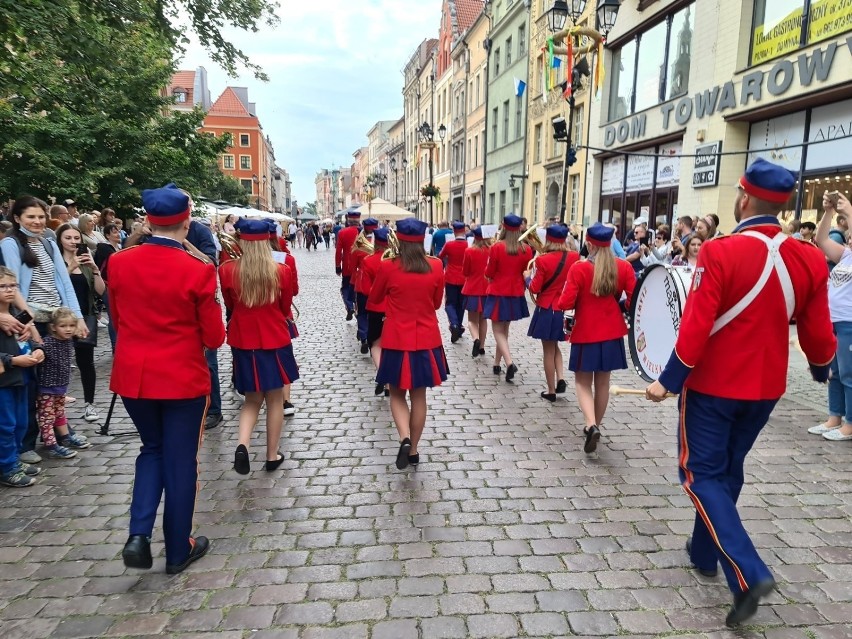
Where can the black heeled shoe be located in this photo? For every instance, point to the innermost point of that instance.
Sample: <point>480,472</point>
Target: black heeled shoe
<point>413,460</point>
<point>402,455</point>
<point>497,370</point>
<point>387,392</point>
<point>475,351</point>
<point>364,348</point>
<point>510,372</point>
<point>380,388</point>
<point>272,465</point>
<point>593,435</point>
<point>561,387</point>
<point>241,460</point>
<point>551,397</point>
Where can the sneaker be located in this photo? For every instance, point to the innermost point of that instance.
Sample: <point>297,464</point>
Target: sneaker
<point>59,452</point>
<point>30,457</point>
<point>74,441</point>
<point>79,436</point>
<point>90,414</point>
<point>31,470</point>
<point>16,479</point>
<point>289,409</point>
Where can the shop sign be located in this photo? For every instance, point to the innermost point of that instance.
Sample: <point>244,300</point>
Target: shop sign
<point>828,18</point>
<point>612,176</point>
<point>668,164</point>
<point>772,140</point>
<point>640,171</point>
<point>828,131</point>
<point>705,171</point>
<point>781,38</point>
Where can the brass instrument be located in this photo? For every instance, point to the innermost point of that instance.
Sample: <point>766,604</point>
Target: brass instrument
<point>392,250</point>
<point>363,243</point>
<point>229,245</point>
<point>530,236</point>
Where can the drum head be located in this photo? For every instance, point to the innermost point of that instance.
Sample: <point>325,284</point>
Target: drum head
<point>655,314</point>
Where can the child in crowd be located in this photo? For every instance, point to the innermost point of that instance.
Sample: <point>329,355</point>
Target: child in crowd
<point>54,378</point>
<point>15,356</point>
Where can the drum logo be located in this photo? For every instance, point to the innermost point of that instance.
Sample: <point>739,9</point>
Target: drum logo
<point>640,342</point>
<point>696,279</point>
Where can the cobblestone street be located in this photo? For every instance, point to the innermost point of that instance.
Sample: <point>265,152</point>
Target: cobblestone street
<point>507,529</point>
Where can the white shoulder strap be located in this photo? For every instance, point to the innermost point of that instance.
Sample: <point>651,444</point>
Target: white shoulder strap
<point>773,263</point>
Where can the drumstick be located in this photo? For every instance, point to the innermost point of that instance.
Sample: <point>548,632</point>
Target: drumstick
<point>618,390</point>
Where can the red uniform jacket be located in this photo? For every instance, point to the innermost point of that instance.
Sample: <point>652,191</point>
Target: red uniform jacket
<point>596,319</point>
<point>545,267</point>
<point>506,272</point>
<point>343,249</point>
<point>369,269</point>
<point>453,256</point>
<point>258,327</point>
<point>412,299</point>
<point>355,261</point>
<point>747,359</point>
<point>473,268</point>
<point>290,261</point>
<point>162,302</point>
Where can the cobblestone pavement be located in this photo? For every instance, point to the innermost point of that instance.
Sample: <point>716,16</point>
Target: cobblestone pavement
<point>506,530</point>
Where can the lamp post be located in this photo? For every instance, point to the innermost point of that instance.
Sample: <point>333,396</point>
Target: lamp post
<point>427,139</point>
<point>395,170</point>
<point>256,181</point>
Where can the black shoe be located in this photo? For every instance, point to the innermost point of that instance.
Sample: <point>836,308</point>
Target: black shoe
<point>241,460</point>
<point>593,435</point>
<point>561,387</point>
<point>402,455</point>
<point>455,334</point>
<point>551,397</point>
<point>497,370</point>
<point>475,351</point>
<point>137,552</point>
<point>413,460</point>
<point>701,571</point>
<point>745,603</point>
<point>272,465</point>
<point>510,372</point>
<point>364,348</point>
<point>213,421</point>
<point>200,547</point>
<point>482,351</point>
<point>380,389</point>
<point>349,315</point>
<point>387,392</point>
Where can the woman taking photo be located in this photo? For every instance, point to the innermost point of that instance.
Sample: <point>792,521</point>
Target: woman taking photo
<point>506,302</point>
<point>593,290</point>
<point>258,292</point>
<point>689,254</point>
<point>546,281</point>
<point>412,358</point>
<point>475,288</point>
<point>87,280</point>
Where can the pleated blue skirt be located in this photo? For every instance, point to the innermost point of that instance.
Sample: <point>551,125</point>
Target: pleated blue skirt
<point>502,308</point>
<point>598,357</point>
<point>413,369</point>
<point>258,371</point>
<point>474,303</point>
<point>547,324</point>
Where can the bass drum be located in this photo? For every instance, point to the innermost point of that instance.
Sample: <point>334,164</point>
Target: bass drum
<point>655,312</point>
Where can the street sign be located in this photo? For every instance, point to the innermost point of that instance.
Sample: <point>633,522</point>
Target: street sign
<point>705,171</point>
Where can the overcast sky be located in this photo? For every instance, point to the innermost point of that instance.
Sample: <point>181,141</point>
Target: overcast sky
<point>335,69</point>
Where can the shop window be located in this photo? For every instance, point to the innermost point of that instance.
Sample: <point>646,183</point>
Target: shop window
<point>680,52</point>
<point>650,70</point>
<point>621,84</point>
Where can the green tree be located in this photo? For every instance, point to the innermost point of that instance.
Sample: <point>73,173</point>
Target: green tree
<point>219,186</point>
<point>310,207</point>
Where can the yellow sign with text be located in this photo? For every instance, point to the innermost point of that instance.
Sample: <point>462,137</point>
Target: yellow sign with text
<point>775,40</point>
<point>829,18</point>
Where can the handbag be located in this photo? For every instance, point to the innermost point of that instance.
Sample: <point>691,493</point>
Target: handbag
<point>92,339</point>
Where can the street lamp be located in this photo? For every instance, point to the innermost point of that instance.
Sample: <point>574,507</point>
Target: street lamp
<point>427,139</point>
<point>607,13</point>
<point>558,15</point>
<point>256,182</point>
<point>396,177</point>
<point>442,132</point>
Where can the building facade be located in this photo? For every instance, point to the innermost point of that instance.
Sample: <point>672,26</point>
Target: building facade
<point>773,81</point>
<point>412,115</point>
<point>397,163</point>
<point>189,90</point>
<point>473,157</point>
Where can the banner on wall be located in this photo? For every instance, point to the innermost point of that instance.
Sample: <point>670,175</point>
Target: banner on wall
<point>828,18</point>
<point>612,175</point>
<point>830,124</point>
<point>769,136</point>
<point>773,40</point>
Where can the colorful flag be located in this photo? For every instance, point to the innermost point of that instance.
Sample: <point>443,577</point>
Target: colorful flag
<point>520,86</point>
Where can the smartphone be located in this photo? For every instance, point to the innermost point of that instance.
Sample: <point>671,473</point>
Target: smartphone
<point>834,197</point>
<point>23,317</point>
<point>645,240</point>
<point>82,249</point>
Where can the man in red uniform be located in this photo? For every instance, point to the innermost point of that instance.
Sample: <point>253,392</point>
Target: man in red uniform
<point>730,367</point>
<point>163,304</point>
<point>452,256</point>
<point>342,262</point>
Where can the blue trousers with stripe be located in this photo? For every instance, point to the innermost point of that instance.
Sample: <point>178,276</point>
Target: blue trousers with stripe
<point>714,436</point>
<point>347,292</point>
<point>361,308</point>
<point>454,304</point>
<point>170,431</point>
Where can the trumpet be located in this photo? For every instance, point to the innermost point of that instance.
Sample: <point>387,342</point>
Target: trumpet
<point>363,243</point>
<point>229,245</point>
<point>392,251</point>
<point>530,236</point>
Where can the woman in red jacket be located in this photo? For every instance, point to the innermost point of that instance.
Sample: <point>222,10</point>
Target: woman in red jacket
<point>259,292</point>
<point>413,359</point>
<point>506,301</point>
<point>546,281</point>
<point>474,289</point>
<point>375,311</point>
<point>594,288</point>
<point>279,244</point>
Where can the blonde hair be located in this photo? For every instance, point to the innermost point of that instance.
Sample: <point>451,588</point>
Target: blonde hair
<point>510,238</point>
<point>481,242</point>
<point>605,279</point>
<point>257,273</point>
<point>60,314</point>
<point>7,274</point>
<point>556,247</point>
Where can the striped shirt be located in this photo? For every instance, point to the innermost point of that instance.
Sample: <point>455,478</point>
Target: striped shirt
<point>43,287</point>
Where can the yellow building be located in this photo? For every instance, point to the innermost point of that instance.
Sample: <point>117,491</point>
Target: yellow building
<point>471,51</point>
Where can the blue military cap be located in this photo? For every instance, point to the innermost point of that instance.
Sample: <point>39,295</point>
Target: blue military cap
<point>477,231</point>
<point>556,233</point>
<point>353,215</point>
<point>512,221</point>
<point>411,230</point>
<point>380,236</point>
<point>272,226</point>
<point>458,226</point>
<point>166,206</point>
<point>767,181</point>
<point>252,230</point>
<point>599,235</point>
<point>370,224</point>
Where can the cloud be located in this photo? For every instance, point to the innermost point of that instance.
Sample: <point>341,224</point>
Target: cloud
<point>334,69</point>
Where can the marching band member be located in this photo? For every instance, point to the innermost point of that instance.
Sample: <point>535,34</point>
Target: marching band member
<point>730,367</point>
<point>474,289</point>
<point>506,302</point>
<point>290,261</point>
<point>375,311</point>
<point>546,282</point>
<point>259,293</point>
<point>342,254</point>
<point>452,255</point>
<point>413,358</point>
<point>356,259</point>
<point>163,304</point>
<point>592,289</point>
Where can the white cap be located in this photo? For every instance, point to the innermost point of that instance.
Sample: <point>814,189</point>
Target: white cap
<point>639,221</point>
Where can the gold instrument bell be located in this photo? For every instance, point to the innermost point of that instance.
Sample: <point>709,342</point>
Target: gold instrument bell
<point>363,243</point>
